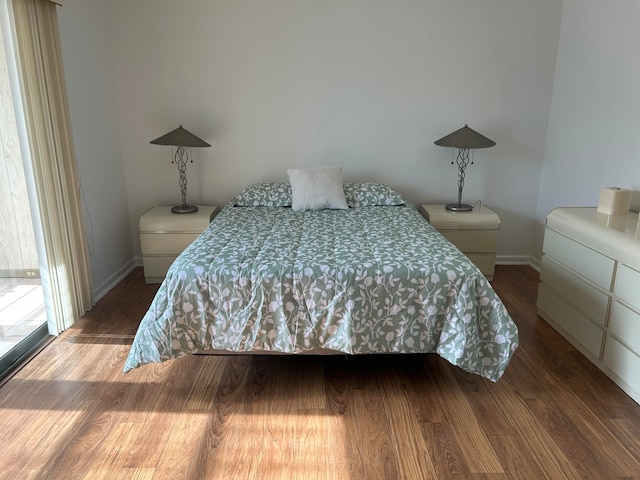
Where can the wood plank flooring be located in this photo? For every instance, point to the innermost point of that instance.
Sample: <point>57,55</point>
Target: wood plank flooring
<point>72,414</point>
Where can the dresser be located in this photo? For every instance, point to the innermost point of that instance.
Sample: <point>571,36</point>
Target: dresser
<point>164,235</point>
<point>590,288</point>
<point>475,233</point>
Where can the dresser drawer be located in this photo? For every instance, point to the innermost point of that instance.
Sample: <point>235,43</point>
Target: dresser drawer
<point>165,243</point>
<point>573,322</point>
<point>590,264</point>
<point>625,324</point>
<point>473,240</point>
<point>623,362</point>
<point>627,286</point>
<point>587,298</point>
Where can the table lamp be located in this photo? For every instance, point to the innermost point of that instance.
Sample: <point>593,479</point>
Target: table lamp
<point>183,140</point>
<point>464,139</point>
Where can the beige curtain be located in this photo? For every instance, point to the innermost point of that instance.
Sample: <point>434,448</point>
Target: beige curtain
<point>53,159</point>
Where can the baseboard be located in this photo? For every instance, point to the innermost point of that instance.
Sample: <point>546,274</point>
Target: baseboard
<point>114,279</point>
<point>518,260</point>
<point>535,263</point>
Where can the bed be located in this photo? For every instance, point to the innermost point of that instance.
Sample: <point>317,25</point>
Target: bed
<point>370,278</point>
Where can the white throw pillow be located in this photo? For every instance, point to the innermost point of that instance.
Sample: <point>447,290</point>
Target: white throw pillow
<point>317,188</point>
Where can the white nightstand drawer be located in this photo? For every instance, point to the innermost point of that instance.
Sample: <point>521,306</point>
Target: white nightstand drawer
<point>486,262</point>
<point>475,233</point>
<point>581,259</point>
<point>164,235</point>
<point>578,326</point>
<point>628,286</point>
<point>473,240</point>
<point>165,243</point>
<point>625,324</point>
<point>623,362</point>
<point>586,297</point>
<point>157,265</point>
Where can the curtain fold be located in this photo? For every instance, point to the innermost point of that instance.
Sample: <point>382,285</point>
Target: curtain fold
<point>53,158</point>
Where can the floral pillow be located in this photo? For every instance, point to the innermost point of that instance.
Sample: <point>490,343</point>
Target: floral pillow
<point>268,194</point>
<point>370,194</point>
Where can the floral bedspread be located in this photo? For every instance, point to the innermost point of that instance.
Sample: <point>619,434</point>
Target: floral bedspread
<point>357,281</point>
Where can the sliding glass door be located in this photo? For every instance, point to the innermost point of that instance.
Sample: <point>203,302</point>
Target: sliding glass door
<point>23,318</point>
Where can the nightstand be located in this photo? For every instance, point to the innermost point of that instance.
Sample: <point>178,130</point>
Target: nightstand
<point>164,235</point>
<point>475,233</point>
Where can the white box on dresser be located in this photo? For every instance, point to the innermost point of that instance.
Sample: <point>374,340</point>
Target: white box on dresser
<point>590,288</point>
<point>164,235</point>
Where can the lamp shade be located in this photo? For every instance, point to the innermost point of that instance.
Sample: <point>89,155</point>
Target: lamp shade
<point>180,137</point>
<point>465,138</point>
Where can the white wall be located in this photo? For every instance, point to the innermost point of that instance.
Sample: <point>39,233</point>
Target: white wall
<point>366,84</point>
<point>87,57</point>
<point>593,139</point>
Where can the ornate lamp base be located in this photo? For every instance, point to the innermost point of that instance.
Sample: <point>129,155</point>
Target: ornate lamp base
<point>458,207</point>
<point>462,161</point>
<point>184,209</point>
<point>181,158</point>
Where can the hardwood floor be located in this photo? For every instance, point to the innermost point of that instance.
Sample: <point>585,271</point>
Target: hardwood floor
<point>72,414</point>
